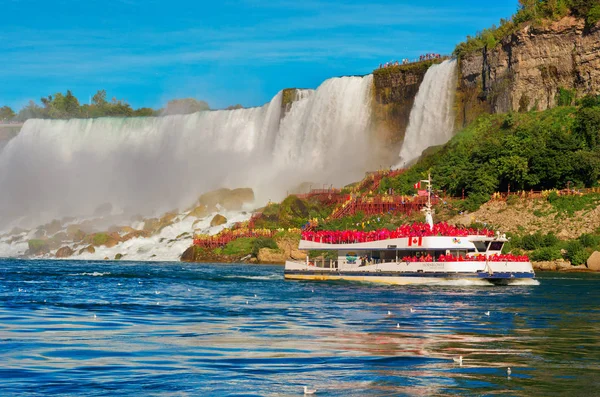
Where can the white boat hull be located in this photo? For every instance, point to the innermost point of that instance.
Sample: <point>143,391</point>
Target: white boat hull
<point>404,273</point>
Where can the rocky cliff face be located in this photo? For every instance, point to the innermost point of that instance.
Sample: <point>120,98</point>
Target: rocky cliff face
<point>530,69</point>
<point>394,93</point>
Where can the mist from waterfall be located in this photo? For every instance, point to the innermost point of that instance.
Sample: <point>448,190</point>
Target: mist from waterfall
<point>57,168</point>
<point>431,121</point>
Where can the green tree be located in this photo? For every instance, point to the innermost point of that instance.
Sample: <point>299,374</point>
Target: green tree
<point>587,125</point>
<point>144,112</point>
<point>32,111</point>
<point>6,113</point>
<point>99,98</point>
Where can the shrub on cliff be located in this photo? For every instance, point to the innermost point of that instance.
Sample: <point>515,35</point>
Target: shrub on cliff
<point>240,247</point>
<point>530,11</point>
<point>263,242</point>
<point>535,150</point>
<point>546,254</point>
<point>589,240</point>
<point>576,253</point>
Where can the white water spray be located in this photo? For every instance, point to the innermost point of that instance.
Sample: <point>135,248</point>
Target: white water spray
<point>56,168</point>
<point>431,121</point>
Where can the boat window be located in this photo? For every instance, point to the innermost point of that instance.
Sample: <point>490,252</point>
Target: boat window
<point>481,246</point>
<point>496,245</point>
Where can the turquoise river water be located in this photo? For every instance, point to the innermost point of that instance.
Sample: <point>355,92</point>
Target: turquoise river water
<point>172,329</point>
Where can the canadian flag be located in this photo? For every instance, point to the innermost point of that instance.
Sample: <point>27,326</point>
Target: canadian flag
<point>417,185</point>
<point>418,241</point>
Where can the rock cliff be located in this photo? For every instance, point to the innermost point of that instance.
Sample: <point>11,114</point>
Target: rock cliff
<point>535,68</point>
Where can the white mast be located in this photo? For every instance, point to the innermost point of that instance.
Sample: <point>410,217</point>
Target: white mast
<point>428,210</point>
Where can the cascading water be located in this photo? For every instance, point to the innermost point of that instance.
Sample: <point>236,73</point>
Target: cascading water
<point>57,168</point>
<point>431,121</point>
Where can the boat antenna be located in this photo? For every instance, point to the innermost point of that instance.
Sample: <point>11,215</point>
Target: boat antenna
<point>428,208</point>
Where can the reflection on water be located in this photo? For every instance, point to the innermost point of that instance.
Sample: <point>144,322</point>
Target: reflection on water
<point>98,328</point>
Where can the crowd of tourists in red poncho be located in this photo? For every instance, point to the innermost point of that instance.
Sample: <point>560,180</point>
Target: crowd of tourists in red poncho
<point>414,230</point>
<point>458,258</point>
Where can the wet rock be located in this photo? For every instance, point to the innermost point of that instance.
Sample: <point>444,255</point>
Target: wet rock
<point>218,220</point>
<point>190,254</point>
<point>64,252</point>
<point>109,240</point>
<point>135,234</point>
<point>89,249</point>
<point>289,246</point>
<point>118,257</point>
<point>200,211</point>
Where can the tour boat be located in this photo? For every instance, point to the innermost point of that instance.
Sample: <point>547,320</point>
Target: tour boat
<point>412,254</point>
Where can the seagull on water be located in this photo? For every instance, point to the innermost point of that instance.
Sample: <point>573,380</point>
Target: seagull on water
<point>389,313</point>
<point>94,315</point>
<point>246,302</point>
<point>157,292</point>
<point>309,391</point>
<point>189,290</point>
<point>255,296</point>
<point>397,325</point>
<point>312,290</point>
<point>508,372</point>
<point>412,310</point>
<point>487,313</point>
<point>457,360</point>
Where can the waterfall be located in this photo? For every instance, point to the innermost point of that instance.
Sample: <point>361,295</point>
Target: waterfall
<point>56,168</point>
<point>431,121</point>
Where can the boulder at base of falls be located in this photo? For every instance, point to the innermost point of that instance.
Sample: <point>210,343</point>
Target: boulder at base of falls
<point>593,262</point>
<point>192,254</point>
<point>109,240</point>
<point>199,212</point>
<point>89,249</point>
<point>118,257</point>
<point>290,248</point>
<point>218,220</point>
<point>269,255</point>
<point>64,252</point>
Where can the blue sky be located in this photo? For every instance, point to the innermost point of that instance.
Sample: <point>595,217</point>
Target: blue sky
<point>225,52</point>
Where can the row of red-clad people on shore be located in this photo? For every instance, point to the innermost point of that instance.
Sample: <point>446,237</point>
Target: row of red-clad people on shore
<point>479,258</point>
<point>414,230</point>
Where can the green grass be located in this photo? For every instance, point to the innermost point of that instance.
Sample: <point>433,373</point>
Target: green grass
<point>573,203</point>
<point>240,247</point>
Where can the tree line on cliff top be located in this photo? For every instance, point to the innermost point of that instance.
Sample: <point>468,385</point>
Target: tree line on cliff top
<point>67,106</point>
<point>531,11</point>
<point>552,149</point>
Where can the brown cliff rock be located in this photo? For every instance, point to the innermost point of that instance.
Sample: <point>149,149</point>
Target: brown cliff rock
<point>64,252</point>
<point>526,69</point>
<point>218,220</point>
